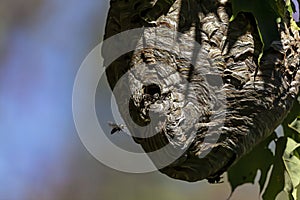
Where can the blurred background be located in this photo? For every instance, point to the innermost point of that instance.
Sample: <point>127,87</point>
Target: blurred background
<point>42,44</point>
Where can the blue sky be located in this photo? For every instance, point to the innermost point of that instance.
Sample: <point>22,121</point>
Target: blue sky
<point>36,80</point>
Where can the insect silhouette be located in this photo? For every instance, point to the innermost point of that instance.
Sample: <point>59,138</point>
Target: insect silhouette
<point>116,127</point>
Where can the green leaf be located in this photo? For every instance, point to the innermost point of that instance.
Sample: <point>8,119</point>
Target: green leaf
<point>245,170</point>
<point>266,13</point>
<point>288,185</point>
<point>292,165</point>
<point>277,177</point>
<point>296,124</point>
<point>291,122</point>
<point>298,192</point>
<point>285,174</point>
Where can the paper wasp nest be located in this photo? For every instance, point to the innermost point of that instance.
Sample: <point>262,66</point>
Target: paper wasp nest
<point>191,92</point>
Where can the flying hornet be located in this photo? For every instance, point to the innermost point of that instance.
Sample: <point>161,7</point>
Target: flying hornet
<point>116,127</point>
